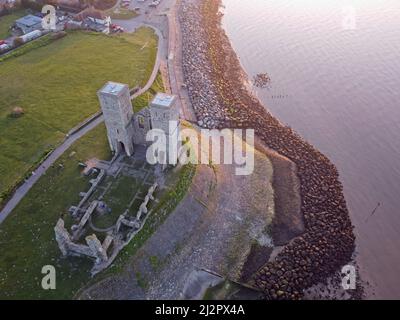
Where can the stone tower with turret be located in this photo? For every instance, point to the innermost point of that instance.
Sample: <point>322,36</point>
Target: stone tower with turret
<point>117,109</point>
<point>165,116</point>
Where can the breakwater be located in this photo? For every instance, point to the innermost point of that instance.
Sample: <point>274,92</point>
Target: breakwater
<point>221,99</point>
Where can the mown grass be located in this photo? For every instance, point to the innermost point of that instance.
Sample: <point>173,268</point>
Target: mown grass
<point>117,198</point>
<point>40,42</point>
<point>144,100</point>
<point>56,86</point>
<point>27,240</point>
<point>166,204</point>
<point>6,22</point>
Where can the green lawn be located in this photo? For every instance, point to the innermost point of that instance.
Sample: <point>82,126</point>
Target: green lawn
<point>56,86</point>
<point>180,180</point>
<point>7,20</point>
<point>117,198</point>
<point>144,100</point>
<point>27,240</point>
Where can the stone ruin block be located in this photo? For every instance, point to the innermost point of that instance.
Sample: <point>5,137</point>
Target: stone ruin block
<point>143,207</point>
<point>107,242</point>
<point>93,249</point>
<point>72,209</point>
<point>134,224</point>
<point>96,248</point>
<point>62,237</point>
<point>85,218</point>
<point>65,243</point>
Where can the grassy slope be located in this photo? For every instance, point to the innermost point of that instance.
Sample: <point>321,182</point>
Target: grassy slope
<point>27,238</point>
<point>144,100</point>
<point>56,86</point>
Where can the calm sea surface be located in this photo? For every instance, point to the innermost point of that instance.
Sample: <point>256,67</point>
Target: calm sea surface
<point>336,80</point>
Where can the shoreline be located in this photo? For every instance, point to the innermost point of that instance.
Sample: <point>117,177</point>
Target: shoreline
<point>217,88</point>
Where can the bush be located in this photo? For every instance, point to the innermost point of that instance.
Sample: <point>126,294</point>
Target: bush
<point>58,35</point>
<point>37,43</point>
<point>18,42</point>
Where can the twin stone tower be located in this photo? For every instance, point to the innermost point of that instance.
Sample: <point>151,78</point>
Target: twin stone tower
<point>126,128</point>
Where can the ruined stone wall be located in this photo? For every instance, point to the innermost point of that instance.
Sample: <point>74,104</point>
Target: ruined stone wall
<point>93,249</point>
<point>141,125</point>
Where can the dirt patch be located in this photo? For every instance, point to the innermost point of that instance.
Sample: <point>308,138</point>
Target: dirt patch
<point>288,221</point>
<point>214,227</point>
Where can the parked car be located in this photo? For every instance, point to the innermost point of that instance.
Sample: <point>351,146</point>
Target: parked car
<point>4,47</point>
<point>116,28</point>
<point>155,3</point>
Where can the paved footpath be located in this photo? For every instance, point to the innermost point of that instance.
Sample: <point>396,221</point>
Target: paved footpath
<point>175,71</point>
<point>28,184</point>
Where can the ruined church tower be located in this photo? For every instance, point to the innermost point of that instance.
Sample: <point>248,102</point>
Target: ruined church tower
<point>165,117</point>
<point>117,109</point>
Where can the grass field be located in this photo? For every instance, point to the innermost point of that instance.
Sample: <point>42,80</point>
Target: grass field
<point>27,241</point>
<point>144,100</point>
<point>7,20</point>
<point>117,199</point>
<point>56,86</point>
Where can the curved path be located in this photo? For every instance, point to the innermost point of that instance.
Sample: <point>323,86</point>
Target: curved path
<point>27,185</point>
<point>157,63</point>
<point>78,133</point>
